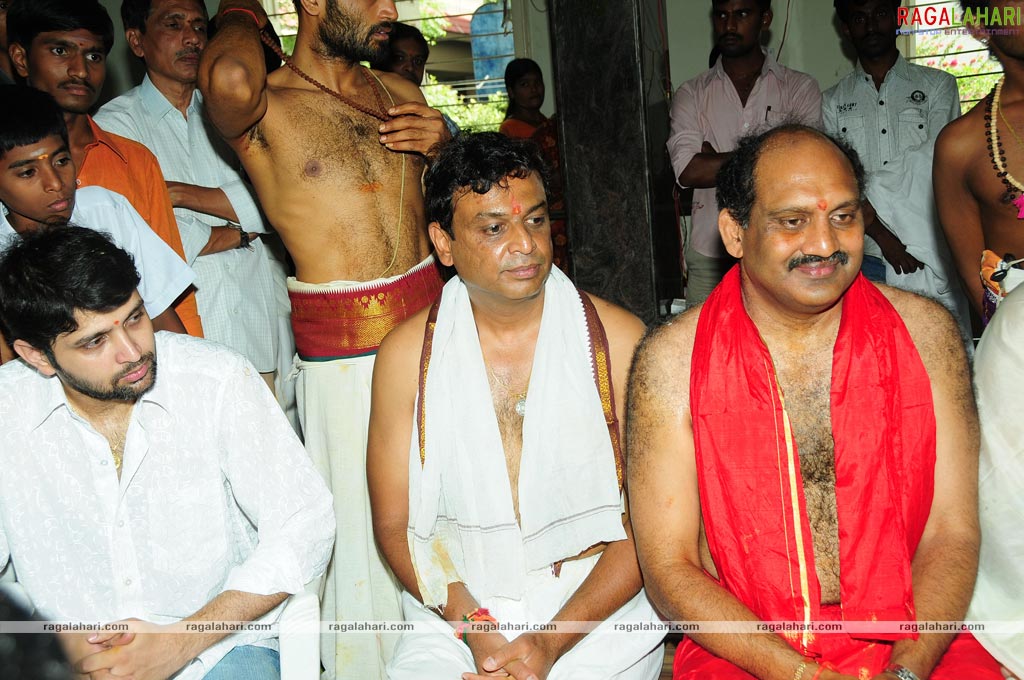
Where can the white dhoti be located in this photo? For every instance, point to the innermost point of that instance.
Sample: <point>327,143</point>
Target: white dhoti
<point>333,396</point>
<point>432,651</point>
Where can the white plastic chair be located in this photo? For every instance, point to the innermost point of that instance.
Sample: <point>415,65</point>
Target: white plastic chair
<point>299,631</point>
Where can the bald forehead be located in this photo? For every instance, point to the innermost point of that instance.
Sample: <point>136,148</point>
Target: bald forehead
<point>800,152</point>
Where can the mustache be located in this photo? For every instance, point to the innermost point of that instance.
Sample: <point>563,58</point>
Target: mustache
<point>729,35</point>
<point>77,83</point>
<point>188,52</point>
<point>131,368</point>
<point>839,257</point>
<point>383,26</point>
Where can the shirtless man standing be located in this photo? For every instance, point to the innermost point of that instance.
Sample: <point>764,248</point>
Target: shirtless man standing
<point>981,211</point>
<point>804,446</point>
<point>335,153</point>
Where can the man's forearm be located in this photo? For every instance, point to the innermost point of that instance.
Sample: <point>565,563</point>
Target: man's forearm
<point>683,592</point>
<point>207,200</point>
<point>944,574</point>
<point>394,546</point>
<point>231,605</point>
<point>702,171</point>
<point>613,581</point>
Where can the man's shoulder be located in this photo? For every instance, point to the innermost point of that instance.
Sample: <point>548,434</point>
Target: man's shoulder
<point>22,391</point>
<point>797,76</point>
<point>698,82</point>
<point>930,76</point>
<point>95,197</point>
<point>15,372</point>
<point>962,137</point>
<point>406,338</point>
<point>935,333</point>
<point>668,346</point>
<point>841,87</point>
<point>191,358</point>
<point>125,105</point>
<point>793,81</point>
<point>616,319</point>
<point>399,88</point>
<point>136,154</point>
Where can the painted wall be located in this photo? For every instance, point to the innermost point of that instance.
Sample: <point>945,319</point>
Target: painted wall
<point>813,43</point>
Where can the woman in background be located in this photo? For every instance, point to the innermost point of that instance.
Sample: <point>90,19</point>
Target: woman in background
<point>525,86</point>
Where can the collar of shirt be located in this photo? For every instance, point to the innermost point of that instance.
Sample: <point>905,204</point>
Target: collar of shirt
<point>770,66</point>
<point>158,106</point>
<point>900,69</point>
<point>55,397</point>
<point>105,139</point>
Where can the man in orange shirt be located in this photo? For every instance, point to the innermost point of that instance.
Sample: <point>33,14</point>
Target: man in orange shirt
<point>68,61</point>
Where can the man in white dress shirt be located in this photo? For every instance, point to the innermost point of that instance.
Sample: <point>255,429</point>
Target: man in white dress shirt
<point>241,294</point>
<point>128,495</point>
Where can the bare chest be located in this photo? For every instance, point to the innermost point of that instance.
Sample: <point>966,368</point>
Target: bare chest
<point>322,141</point>
<point>807,398</point>
<point>1003,230</point>
<point>509,392</point>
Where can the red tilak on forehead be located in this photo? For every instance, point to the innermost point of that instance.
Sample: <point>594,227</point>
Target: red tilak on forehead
<point>822,204</point>
<point>116,322</point>
<point>516,207</point>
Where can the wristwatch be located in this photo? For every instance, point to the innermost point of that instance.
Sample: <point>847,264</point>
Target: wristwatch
<point>243,237</point>
<point>901,672</point>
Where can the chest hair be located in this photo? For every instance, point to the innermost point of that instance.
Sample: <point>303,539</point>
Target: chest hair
<point>806,384</point>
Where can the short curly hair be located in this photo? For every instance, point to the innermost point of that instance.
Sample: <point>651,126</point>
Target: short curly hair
<point>477,162</point>
<point>737,188</point>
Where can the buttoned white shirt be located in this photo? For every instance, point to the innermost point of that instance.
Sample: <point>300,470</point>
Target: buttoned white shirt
<point>883,125</point>
<point>235,290</point>
<point>708,109</point>
<point>163,275</point>
<point>216,494</point>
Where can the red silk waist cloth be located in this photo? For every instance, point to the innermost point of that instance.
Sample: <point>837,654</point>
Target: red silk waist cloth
<point>748,465</point>
<point>353,322</point>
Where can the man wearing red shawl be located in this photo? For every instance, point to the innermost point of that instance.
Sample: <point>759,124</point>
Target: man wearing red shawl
<point>803,447</point>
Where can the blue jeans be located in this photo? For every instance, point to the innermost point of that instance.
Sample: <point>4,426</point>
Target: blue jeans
<point>247,662</point>
<point>873,268</point>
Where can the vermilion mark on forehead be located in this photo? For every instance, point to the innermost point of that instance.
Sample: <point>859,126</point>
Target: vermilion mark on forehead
<point>116,322</point>
<point>43,157</point>
<point>822,204</point>
<point>517,207</point>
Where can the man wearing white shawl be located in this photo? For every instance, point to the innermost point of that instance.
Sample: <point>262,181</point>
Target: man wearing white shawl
<point>998,374</point>
<point>494,463</point>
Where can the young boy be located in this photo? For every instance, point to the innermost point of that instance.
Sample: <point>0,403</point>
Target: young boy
<point>38,188</point>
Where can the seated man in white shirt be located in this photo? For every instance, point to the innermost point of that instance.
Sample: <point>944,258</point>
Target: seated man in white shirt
<point>37,187</point>
<point>128,495</point>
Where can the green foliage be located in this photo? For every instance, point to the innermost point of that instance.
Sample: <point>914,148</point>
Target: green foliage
<point>434,25</point>
<point>955,51</point>
<point>286,23</point>
<point>470,113</point>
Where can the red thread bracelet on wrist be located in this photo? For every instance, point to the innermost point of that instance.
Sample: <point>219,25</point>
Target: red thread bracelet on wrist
<point>822,667</point>
<point>478,615</point>
<point>246,11</point>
